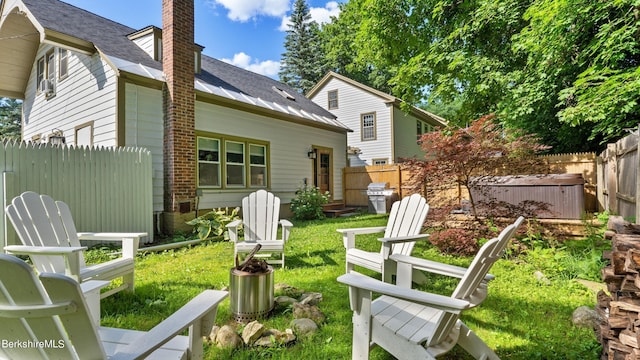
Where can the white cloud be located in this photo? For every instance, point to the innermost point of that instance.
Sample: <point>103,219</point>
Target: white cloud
<point>321,15</point>
<point>268,68</point>
<point>243,10</point>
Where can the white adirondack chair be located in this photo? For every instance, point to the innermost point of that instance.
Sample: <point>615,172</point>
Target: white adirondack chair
<point>408,265</point>
<point>403,229</point>
<point>48,235</point>
<point>50,313</point>
<point>260,219</point>
<point>412,324</point>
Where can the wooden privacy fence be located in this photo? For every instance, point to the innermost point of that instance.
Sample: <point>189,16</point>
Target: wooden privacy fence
<point>618,177</point>
<point>356,179</point>
<point>107,189</point>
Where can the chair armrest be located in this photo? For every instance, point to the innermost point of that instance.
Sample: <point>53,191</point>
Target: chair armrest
<point>72,256</point>
<point>191,314</point>
<point>400,239</point>
<point>349,235</point>
<point>232,227</point>
<point>434,266</point>
<point>367,230</point>
<point>130,241</point>
<point>358,281</point>
<point>387,243</point>
<point>286,228</point>
<point>43,250</point>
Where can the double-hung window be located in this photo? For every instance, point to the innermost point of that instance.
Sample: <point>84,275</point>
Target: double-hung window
<point>208,162</point>
<point>40,76</point>
<point>46,68</point>
<point>333,99</point>
<point>229,162</point>
<point>368,126</point>
<point>63,63</point>
<point>258,165</point>
<point>51,67</point>
<point>234,152</point>
<point>422,128</point>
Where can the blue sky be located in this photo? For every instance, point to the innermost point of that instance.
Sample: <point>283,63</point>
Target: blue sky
<point>247,33</point>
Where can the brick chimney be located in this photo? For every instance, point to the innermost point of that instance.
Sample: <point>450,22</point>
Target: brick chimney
<point>179,111</point>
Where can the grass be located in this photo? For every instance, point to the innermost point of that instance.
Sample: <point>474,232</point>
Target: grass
<point>521,318</point>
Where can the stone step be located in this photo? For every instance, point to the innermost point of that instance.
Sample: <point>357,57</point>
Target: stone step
<point>338,212</point>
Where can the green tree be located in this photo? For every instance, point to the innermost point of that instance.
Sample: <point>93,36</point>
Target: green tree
<point>585,54</point>
<point>564,70</point>
<point>303,60</point>
<point>10,119</point>
<point>437,51</point>
<point>345,57</point>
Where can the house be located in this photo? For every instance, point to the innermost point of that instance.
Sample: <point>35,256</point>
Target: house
<point>383,133</point>
<point>216,132</point>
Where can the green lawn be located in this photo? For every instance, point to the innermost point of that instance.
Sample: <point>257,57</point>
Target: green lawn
<point>521,318</point>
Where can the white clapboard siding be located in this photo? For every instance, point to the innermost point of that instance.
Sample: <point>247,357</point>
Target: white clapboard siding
<point>352,103</point>
<point>107,189</point>
<point>87,94</point>
<point>146,43</point>
<point>144,123</point>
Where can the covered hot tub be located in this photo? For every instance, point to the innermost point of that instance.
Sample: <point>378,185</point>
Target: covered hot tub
<point>563,193</point>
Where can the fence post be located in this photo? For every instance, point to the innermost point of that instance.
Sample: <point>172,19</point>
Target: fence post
<point>612,177</point>
<point>600,181</point>
<point>637,202</point>
<point>399,171</point>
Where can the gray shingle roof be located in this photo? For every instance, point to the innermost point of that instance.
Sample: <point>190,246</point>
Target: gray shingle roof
<point>111,39</point>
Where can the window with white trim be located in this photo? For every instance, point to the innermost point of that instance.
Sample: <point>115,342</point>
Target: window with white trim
<point>242,163</point>
<point>423,128</point>
<point>379,161</point>
<point>63,63</point>
<point>333,99</point>
<point>368,127</point>
<point>51,68</point>
<point>40,75</point>
<point>46,68</point>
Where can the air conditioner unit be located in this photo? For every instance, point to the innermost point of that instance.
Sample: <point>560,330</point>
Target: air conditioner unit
<point>46,86</point>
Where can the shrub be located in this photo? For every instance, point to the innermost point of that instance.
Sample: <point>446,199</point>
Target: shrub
<point>307,204</point>
<point>455,241</point>
<point>214,222</point>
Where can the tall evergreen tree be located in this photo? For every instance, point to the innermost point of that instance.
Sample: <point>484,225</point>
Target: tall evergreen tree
<point>10,119</point>
<point>303,59</point>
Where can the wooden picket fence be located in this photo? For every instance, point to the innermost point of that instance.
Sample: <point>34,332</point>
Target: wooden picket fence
<point>107,189</point>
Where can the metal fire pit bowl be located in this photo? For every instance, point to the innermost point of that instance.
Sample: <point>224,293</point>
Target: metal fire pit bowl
<point>251,294</point>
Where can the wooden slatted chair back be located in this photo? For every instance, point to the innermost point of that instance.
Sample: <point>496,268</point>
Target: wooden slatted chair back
<point>41,221</point>
<point>43,311</point>
<point>406,218</point>
<point>260,215</point>
<point>488,254</point>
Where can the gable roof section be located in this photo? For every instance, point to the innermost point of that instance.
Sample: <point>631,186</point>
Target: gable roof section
<point>390,99</point>
<point>111,40</point>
